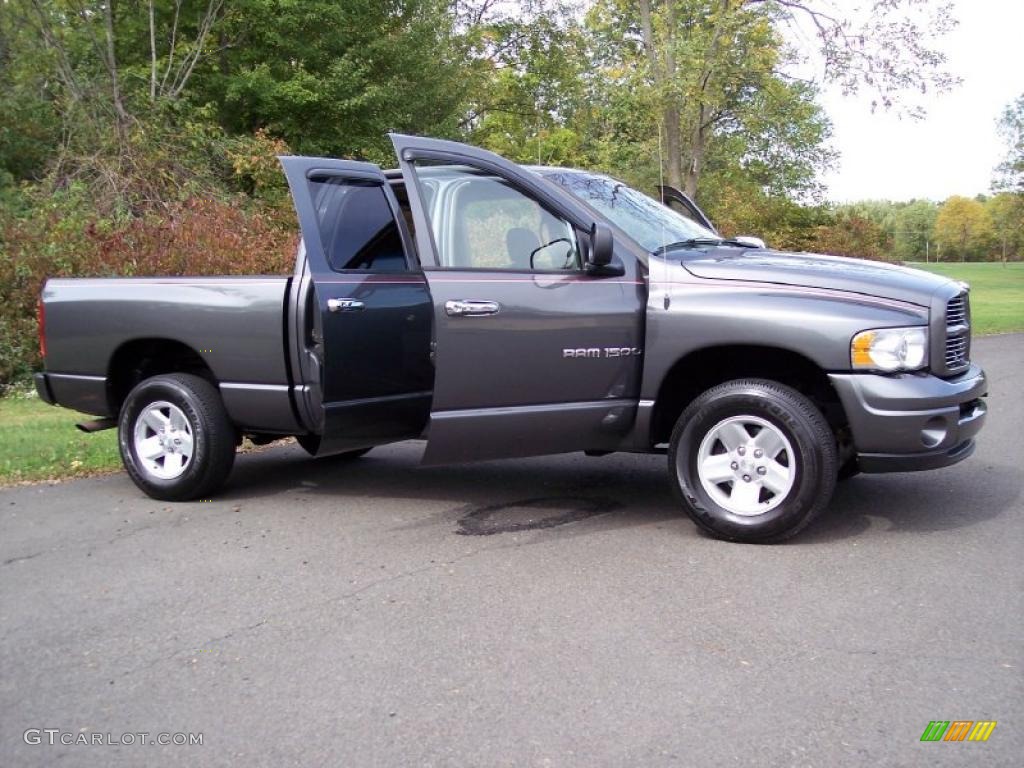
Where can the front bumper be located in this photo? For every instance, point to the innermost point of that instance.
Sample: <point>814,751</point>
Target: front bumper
<point>912,421</point>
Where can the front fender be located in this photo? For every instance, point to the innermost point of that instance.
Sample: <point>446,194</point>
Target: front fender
<point>817,324</point>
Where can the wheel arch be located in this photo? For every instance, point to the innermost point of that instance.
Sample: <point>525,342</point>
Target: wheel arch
<point>706,367</point>
<point>139,359</point>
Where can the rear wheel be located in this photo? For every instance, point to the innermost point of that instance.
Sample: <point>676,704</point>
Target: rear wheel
<point>175,437</point>
<point>753,460</point>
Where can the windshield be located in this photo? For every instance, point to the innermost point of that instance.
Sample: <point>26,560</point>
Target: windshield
<point>643,218</point>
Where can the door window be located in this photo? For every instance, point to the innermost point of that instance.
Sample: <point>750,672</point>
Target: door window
<point>357,226</point>
<point>480,221</point>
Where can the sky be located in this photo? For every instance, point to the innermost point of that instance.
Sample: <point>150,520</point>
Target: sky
<point>954,149</point>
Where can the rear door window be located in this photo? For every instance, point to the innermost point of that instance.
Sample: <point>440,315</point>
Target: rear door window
<point>358,230</point>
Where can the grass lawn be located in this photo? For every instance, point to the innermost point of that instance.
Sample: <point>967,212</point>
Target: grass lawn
<point>997,293</point>
<point>40,442</point>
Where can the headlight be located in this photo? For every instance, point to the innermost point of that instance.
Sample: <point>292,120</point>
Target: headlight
<point>890,349</point>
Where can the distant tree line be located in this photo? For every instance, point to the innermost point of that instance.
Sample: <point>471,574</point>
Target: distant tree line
<point>983,228</point>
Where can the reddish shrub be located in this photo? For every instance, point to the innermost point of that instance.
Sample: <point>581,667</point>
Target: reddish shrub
<point>851,236</point>
<point>200,236</point>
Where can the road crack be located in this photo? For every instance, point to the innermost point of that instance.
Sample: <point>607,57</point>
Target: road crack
<point>12,560</point>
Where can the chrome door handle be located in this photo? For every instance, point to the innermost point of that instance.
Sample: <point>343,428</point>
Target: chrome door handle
<point>467,308</point>
<point>345,305</point>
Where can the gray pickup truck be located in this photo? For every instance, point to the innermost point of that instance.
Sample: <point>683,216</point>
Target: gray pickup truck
<point>495,310</point>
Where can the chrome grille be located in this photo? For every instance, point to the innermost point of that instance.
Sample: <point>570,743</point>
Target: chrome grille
<point>956,352</point>
<point>958,333</point>
<point>956,311</point>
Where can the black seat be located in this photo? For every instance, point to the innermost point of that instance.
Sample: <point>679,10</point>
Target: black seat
<point>521,243</point>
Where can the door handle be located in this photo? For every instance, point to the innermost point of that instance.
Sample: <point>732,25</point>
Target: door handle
<point>345,305</point>
<point>467,308</point>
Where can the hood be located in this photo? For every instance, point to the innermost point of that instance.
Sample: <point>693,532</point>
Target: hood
<point>837,273</point>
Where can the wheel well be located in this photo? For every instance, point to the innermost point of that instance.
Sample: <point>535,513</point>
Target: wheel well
<point>705,368</point>
<point>143,358</point>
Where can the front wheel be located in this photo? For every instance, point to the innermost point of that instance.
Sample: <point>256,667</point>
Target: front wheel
<point>753,460</point>
<point>176,440</point>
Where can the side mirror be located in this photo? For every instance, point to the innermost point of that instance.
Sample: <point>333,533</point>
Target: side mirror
<point>602,246</point>
<point>757,242</point>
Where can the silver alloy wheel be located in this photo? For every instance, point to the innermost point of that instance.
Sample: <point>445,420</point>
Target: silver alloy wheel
<point>163,440</point>
<point>746,465</point>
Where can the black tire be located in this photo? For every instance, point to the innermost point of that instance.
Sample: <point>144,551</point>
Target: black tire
<point>813,469</point>
<point>212,434</point>
<point>311,443</point>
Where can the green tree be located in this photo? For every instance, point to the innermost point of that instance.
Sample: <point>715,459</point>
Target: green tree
<point>915,222</point>
<point>882,213</point>
<point>1006,212</point>
<point>81,84</point>
<point>765,137</point>
<point>29,129</point>
<point>332,78</point>
<point>701,60</point>
<point>962,227</point>
<point>139,100</point>
<point>530,98</point>
<point>898,230</point>
<point>1010,172</point>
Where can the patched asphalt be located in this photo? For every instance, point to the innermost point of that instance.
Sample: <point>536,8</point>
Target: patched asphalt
<point>557,611</point>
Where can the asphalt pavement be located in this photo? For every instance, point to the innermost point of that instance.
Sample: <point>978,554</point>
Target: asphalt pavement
<point>556,611</point>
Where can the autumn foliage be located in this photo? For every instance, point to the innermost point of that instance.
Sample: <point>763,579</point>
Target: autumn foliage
<point>197,236</point>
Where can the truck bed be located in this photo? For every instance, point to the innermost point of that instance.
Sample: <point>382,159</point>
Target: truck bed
<point>235,324</point>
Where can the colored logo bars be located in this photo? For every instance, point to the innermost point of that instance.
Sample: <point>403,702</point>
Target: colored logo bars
<point>958,730</point>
